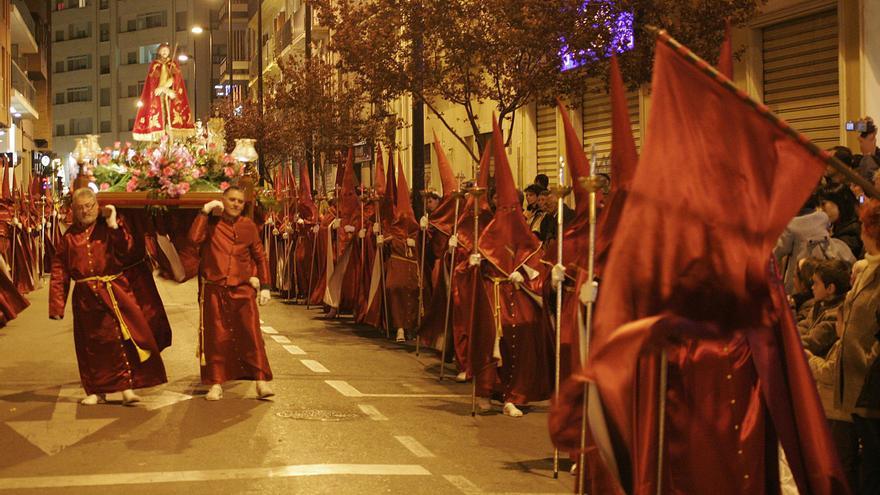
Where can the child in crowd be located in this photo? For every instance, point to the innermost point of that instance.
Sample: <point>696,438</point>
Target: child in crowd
<point>830,285</point>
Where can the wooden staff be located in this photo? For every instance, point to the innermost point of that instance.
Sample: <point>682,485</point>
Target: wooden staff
<point>380,253</point>
<point>422,266</point>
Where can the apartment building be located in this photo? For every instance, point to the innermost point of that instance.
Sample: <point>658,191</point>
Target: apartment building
<point>24,83</point>
<point>101,50</point>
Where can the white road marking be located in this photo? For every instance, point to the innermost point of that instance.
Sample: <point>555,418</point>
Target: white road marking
<point>268,330</point>
<point>469,488</point>
<point>314,366</point>
<point>295,350</point>
<point>344,388</point>
<point>63,429</point>
<point>414,388</point>
<point>212,475</point>
<point>348,390</point>
<point>414,446</point>
<point>372,412</point>
<point>166,398</point>
<point>281,339</point>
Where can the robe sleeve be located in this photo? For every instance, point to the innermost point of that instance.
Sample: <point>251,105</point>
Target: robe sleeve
<point>122,243</point>
<point>59,284</point>
<point>259,257</point>
<point>199,229</point>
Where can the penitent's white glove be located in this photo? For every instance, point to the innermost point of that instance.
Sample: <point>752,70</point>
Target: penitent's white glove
<point>315,229</point>
<point>349,228</point>
<point>588,293</point>
<point>270,221</point>
<point>516,277</point>
<point>211,206</point>
<point>111,216</point>
<point>474,259</point>
<point>362,233</point>
<point>255,283</point>
<point>423,223</point>
<point>375,227</point>
<point>300,221</point>
<point>380,239</point>
<point>264,297</point>
<point>285,235</point>
<point>411,242</point>
<point>453,241</point>
<point>557,275</point>
<point>336,223</point>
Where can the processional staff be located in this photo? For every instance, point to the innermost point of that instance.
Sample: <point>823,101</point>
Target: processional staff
<point>457,195</point>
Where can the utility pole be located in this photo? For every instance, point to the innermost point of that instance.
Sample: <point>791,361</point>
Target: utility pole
<point>260,162</point>
<point>229,50</point>
<point>418,122</point>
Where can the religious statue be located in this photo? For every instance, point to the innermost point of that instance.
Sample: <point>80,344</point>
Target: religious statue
<point>165,109</point>
<point>216,133</point>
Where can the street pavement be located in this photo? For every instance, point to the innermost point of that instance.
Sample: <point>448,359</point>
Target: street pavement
<point>355,413</point>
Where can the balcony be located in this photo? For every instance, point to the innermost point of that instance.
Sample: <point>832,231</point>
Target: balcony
<point>23,28</point>
<point>23,94</point>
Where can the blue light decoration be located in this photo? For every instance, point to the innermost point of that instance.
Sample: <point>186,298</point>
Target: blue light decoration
<point>622,40</point>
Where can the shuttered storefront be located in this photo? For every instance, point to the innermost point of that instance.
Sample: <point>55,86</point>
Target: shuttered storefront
<point>801,75</point>
<point>548,152</point>
<point>597,124</point>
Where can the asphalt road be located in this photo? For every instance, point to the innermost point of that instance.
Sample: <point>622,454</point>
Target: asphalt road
<point>354,414</point>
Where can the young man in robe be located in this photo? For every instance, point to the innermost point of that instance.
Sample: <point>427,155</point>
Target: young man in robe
<point>233,276</point>
<point>115,347</point>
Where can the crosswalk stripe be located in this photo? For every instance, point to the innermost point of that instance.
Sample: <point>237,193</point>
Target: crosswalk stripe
<point>314,366</point>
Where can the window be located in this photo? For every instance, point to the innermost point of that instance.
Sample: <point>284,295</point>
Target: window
<point>180,20</point>
<point>105,97</point>
<point>79,94</point>
<point>131,25</point>
<point>105,64</point>
<point>104,5</point>
<point>132,91</point>
<point>105,126</point>
<point>140,88</point>
<point>79,63</point>
<point>59,66</point>
<point>81,125</point>
<point>147,53</point>
<point>59,98</point>
<point>130,124</point>
<point>80,30</point>
<point>151,20</point>
<point>59,129</point>
<point>105,31</point>
<point>132,57</point>
<point>59,35</point>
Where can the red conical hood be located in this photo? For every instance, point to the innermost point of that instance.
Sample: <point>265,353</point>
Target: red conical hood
<point>447,178</point>
<point>466,217</point>
<point>347,205</point>
<point>578,165</point>
<point>379,182</point>
<point>405,224</point>
<point>307,209</point>
<point>507,242</point>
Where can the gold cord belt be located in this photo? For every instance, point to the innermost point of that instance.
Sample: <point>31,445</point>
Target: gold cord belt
<point>107,280</point>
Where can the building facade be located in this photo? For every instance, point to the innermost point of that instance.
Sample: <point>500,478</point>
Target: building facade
<point>101,50</point>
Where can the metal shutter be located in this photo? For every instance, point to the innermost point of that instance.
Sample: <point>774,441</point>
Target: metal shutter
<point>597,123</point>
<point>801,75</point>
<point>547,143</point>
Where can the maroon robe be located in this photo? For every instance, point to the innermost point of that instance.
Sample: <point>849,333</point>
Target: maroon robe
<point>232,345</point>
<point>108,360</point>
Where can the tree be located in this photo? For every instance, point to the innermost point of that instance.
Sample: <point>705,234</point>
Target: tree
<point>504,51</point>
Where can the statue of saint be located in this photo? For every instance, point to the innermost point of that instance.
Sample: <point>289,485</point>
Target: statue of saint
<point>165,108</point>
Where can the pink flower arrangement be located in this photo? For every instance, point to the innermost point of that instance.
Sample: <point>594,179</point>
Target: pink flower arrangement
<point>224,186</point>
<point>105,186</point>
<point>229,172</point>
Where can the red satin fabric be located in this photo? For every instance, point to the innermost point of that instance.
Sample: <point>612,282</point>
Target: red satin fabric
<point>402,285</point>
<point>12,302</point>
<point>151,118</point>
<point>231,251</point>
<point>234,348</point>
<point>107,363</point>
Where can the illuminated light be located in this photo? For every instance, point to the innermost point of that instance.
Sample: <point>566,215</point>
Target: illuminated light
<point>183,57</point>
<point>197,30</point>
<point>620,29</point>
<point>139,103</point>
<point>17,115</point>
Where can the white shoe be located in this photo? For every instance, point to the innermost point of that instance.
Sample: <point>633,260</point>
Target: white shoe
<point>215,392</point>
<point>483,404</point>
<point>129,397</point>
<point>574,469</point>
<point>93,399</point>
<point>264,391</point>
<point>461,377</point>
<point>511,410</point>
<point>401,336</point>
